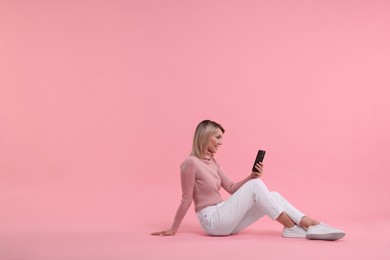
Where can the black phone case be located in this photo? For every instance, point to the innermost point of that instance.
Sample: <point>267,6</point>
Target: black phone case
<point>259,158</point>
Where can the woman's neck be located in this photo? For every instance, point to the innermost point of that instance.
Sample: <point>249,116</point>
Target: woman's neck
<point>207,155</point>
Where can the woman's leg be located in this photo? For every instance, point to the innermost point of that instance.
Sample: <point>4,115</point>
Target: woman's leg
<point>251,216</point>
<point>315,229</point>
<point>294,214</point>
<point>307,222</point>
<point>288,218</point>
<point>252,201</point>
<point>255,214</point>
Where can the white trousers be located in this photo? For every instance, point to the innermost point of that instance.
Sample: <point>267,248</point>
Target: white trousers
<point>249,203</point>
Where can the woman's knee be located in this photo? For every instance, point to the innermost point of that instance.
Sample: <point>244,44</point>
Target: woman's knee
<point>259,184</point>
<point>256,182</point>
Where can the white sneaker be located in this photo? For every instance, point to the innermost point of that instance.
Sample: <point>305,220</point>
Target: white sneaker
<point>294,232</point>
<point>324,232</point>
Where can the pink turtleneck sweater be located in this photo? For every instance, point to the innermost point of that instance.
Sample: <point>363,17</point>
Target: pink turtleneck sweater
<point>201,180</point>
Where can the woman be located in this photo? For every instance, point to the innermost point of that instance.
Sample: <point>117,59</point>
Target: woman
<point>201,179</point>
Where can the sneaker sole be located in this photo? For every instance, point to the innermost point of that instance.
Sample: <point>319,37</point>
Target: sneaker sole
<point>289,236</point>
<point>293,236</point>
<point>329,236</point>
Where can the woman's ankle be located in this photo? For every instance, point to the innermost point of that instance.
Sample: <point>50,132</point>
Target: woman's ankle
<point>307,222</point>
<point>285,220</point>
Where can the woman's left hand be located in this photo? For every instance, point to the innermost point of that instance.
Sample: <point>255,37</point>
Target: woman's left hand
<point>259,168</point>
<point>168,232</point>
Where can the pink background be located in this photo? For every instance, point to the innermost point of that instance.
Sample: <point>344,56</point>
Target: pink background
<point>99,101</point>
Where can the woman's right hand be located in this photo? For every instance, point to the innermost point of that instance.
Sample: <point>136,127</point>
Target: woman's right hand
<point>259,168</point>
<point>168,232</point>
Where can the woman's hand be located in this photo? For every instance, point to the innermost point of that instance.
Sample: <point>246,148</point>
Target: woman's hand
<point>259,167</point>
<point>168,232</point>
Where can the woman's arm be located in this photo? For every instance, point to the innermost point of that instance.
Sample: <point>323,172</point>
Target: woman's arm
<point>231,186</point>
<point>187,176</point>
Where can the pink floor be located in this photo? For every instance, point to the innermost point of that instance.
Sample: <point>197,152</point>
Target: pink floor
<point>262,241</point>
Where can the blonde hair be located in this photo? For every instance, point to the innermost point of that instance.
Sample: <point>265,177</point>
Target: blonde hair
<point>203,132</point>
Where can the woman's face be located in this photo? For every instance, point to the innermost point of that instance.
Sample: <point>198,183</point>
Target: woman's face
<point>215,141</point>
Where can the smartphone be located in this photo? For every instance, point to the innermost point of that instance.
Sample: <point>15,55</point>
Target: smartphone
<point>259,158</point>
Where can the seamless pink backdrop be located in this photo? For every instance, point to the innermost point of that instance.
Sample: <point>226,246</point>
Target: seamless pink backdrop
<point>99,101</point>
